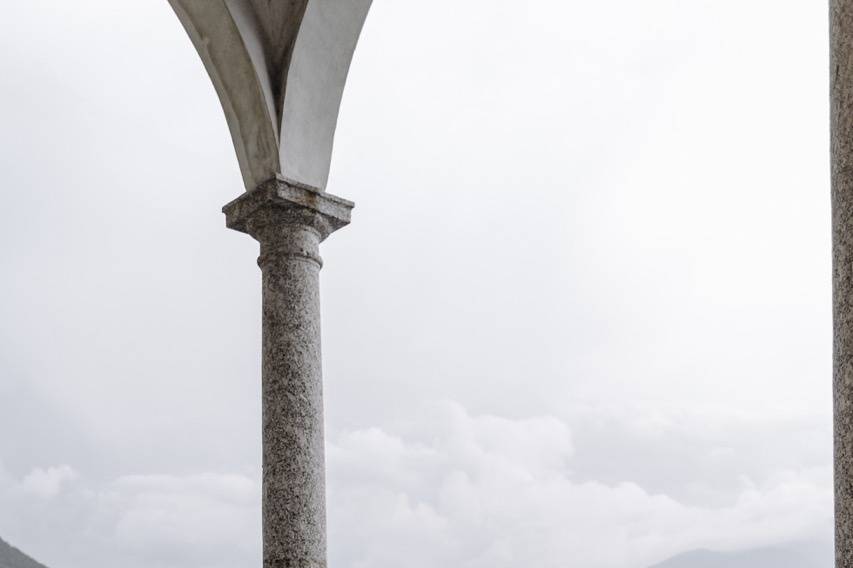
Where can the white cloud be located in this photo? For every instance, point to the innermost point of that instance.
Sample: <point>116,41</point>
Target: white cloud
<point>193,513</point>
<point>479,491</point>
<point>445,487</point>
<point>209,520</point>
<point>47,483</point>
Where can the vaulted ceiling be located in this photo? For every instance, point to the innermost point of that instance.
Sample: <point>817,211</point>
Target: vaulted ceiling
<point>279,21</point>
<point>279,68</point>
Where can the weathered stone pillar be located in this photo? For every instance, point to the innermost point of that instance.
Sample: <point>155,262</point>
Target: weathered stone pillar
<point>289,221</point>
<point>841,70</point>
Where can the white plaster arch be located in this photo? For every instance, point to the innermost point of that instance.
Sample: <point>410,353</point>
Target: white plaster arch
<point>279,70</point>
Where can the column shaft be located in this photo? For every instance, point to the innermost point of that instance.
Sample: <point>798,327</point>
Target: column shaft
<point>841,73</point>
<point>294,505</point>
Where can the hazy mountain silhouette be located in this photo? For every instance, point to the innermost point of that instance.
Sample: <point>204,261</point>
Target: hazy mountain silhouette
<point>809,555</point>
<point>11,557</point>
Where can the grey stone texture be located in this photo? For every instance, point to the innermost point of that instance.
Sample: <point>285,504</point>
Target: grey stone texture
<point>289,221</point>
<point>841,90</point>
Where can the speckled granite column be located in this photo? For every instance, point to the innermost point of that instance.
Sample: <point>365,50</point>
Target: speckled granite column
<point>289,222</point>
<point>841,90</point>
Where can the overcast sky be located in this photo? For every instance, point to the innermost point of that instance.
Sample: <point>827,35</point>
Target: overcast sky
<point>581,318</point>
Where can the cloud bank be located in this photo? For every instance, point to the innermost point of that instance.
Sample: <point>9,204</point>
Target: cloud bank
<point>461,489</point>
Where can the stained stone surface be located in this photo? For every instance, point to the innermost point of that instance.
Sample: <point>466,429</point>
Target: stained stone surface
<point>841,71</point>
<point>289,222</point>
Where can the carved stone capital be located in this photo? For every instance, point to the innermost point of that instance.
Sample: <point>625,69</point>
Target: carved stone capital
<point>289,220</point>
<point>278,203</point>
